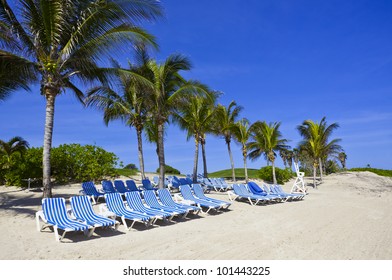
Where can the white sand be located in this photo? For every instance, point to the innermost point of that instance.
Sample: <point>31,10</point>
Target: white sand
<point>348,217</point>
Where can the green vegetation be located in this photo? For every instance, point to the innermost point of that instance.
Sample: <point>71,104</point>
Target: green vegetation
<point>381,172</point>
<point>239,173</point>
<point>126,172</point>
<point>170,170</point>
<point>282,175</point>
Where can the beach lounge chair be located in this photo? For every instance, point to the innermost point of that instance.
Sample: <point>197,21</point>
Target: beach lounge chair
<point>108,187</point>
<point>131,185</point>
<point>255,189</point>
<point>269,192</point>
<point>135,203</point>
<point>151,200</point>
<point>166,199</point>
<point>120,186</point>
<point>295,196</point>
<point>116,205</point>
<point>240,191</point>
<point>89,189</point>
<point>187,194</point>
<point>199,193</point>
<point>147,185</point>
<point>54,213</point>
<point>82,209</point>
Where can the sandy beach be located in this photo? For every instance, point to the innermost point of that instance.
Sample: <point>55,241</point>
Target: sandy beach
<point>348,217</point>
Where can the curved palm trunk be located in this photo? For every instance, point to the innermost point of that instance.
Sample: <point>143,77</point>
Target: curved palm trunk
<point>321,169</point>
<point>273,172</point>
<point>49,120</point>
<point>314,175</point>
<point>203,151</point>
<point>140,152</point>
<point>196,159</point>
<point>245,155</point>
<point>231,160</point>
<point>161,157</point>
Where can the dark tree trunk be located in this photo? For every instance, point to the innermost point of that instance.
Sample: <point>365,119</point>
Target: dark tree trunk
<point>140,151</point>
<point>161,157</point>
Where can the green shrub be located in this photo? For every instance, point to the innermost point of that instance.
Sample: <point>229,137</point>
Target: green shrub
<point>131,166</point>
<point>170,170</point>
<point>381,172</point>
<point>282,175</point>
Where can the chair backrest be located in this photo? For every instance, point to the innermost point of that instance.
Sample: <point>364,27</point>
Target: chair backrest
<point>151,199</point>
<point>82,207</point>
<point>175,182</point>
<point>166,198</point>
<point>299,173</point>
<point>54,210</point>
<point>186,192</point>
<point>255,189</point>
<point>89,188</point>
<point>183,181</point>
<point>114,202</point>
<point>147,184</point>
<point>237,189</point>
<point>135,201</point>
<point>120,186</point>
<point>198,190</point>
<point>108,187</point>
<point>131,185</point>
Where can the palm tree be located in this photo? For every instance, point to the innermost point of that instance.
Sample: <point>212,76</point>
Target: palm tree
<point>194,115</point>
<point>167,90</point>
<point>283,155</point>
<point>225,118</point>
<point>289,158</point>
<point>8,148</point>
<point>267,140</point>
<point>242,133</point>
<point>316,142</point>
<point>59,42</point>
<point>342,158</point>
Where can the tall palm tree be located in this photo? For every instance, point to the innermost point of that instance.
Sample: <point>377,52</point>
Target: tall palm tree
<point>225,118</point>
<point>267,141</point>
<point>283,155</point>
<point>242,133</point>
<point>194,114</point>
<point>316,142</point>
<point>168,87</point>
<point>342,158</point>
<point>8,148</point>
<point>59,42</point>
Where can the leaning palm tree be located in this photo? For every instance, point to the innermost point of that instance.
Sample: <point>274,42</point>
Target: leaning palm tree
<point>60,42</point>
<point>194,114</point>
<point>225,118</point>
<point>242,133</point>
<point>342,158</point>
<point>267,141</point>
<point>16,145</point>
<point>168,87</point>
<point>316,143</point>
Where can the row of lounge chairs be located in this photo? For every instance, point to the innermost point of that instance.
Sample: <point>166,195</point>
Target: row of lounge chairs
<point>256,194</point>
<point>145,207</point>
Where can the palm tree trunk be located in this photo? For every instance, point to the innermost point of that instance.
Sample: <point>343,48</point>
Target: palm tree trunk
<point>203,151</point>
<point>140,152</point>
<point>231,160</point>
<point>244,153</point>
<point>49,120</point>
<point>273,172</point>
<point>196,160</point>
<point>161,157</point>
<point>314,177</point>
<point>321,169</point>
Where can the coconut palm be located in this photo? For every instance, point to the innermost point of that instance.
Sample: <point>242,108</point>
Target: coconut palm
<point>16,145</point>
<point>283,155</point>
<point>59,42</point>
<point>266,140</point>
<point>342,158</point>
<point>242,133</point>
<point>128,103</point>
<point>225,118</point>
<point>168,88</point>
<point>316,142</point>
<point>194,114</point>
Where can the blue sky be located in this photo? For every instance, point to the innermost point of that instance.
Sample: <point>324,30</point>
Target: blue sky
<point>282,61</point>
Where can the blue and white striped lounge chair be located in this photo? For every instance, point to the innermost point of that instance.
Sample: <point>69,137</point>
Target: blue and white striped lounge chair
<point>54,213</point>
<point>152,201</point>
<point>135,203</point>
<point>282,198</point>
<point>147,185</point>
<point>199,193</point>
<point>166,198</point>
<point>82,209</point>
<point>255,189</point>
<point>108,187</point>
<point>295,196</point>
<point>116,205</point>
<point>120,186</point>
<point>89,189</point>
<point>240,191</point>
<point>273,191</point>
<point>131,185</point>
<point>187,194</point>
